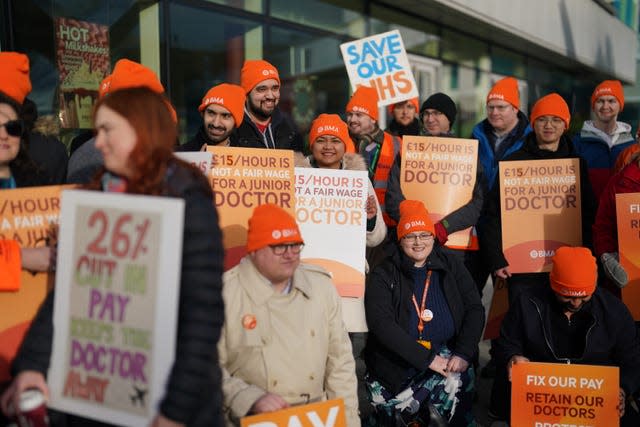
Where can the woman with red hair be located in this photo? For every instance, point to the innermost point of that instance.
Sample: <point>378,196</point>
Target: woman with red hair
<point>135,133</point>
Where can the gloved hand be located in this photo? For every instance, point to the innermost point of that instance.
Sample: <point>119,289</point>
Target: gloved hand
<point>441,233</point>
<point>613,270</point>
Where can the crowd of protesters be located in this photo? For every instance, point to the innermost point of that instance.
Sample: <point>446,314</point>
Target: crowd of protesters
<point>406,353</point>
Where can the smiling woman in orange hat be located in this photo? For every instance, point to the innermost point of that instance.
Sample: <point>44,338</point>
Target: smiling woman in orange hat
<point>425,320</point>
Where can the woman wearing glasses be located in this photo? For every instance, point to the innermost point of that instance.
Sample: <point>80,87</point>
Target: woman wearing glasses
<point>425,319</point>
<point>17,170</point>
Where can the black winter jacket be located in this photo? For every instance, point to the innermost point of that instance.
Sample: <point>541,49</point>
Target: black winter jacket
<point>193,393</point>
<point>391,351</point>
<point>611,339</point>
<point>281,133</point>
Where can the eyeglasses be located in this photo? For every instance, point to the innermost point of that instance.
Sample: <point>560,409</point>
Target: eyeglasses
<point>498,108</point>
<point>553,121</point>
<point>294,248</point>
<point>432,113</point>
<point>14,127</point>
<point>425,237</point>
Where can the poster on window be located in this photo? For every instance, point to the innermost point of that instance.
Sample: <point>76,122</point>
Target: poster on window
<point>82,58</point>
<point>331,213</point>
<point>116,305</point>
<point>380,61</point>
<point>541,211</point>
<point>243,179</point>
<point>628,220</point>
<point>30,217</point>
<point>441,172</point>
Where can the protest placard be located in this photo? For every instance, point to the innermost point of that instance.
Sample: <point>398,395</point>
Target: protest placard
<point>441,172</point>
<point>551,394</point>
<point>541,211</point>
<point>327,414</point>
<point>199,159</point>
<point>381,62</point>
<point>116,304</point>
<point>242,179</point>
<point>83,59</point>
<point>628,220</point>
<point>29,216</point>
<point>330,210</point>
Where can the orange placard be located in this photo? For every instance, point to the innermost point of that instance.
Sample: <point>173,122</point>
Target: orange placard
<point>328,414</point>
<point>541,211</point>
<point>243,179</point>
<point>26,215</point>
<point>628,220</point>
<point>551,394</point>
<point>441,172</point>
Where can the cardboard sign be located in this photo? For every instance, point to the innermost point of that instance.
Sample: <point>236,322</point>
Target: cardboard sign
<point>541,211</point>
<point>441,172</point>
<point>381,62</point>
<point>199,159</point>
<point>628,220</point>
<point>29,216</point>
<point>326,414</point>
<point>243,179</point>
<point>116,304</point>
<point>83,59</point>
<point>551,394</point>
<point>331,213</point>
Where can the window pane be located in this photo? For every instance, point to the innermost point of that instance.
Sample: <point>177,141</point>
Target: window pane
<point>465,50</point>
<point>256,6</point>
<point>419,37</point>
<point>507,63</point>
<point>69,57</point>
<point>197,63</point>
<point>314,79</point>
<point>320,15</point>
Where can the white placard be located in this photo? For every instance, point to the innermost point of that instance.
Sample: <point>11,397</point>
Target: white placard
<point>199,159</point>
<point>116,304</point>
<point>380,61</point>
<point>330,210</point>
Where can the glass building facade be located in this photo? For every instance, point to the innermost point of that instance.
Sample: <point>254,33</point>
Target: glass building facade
<point>196,44</point>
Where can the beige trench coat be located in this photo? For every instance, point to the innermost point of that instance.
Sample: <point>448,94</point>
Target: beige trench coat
<point>298,347</point>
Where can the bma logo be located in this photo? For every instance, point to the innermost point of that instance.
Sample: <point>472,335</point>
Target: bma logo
<point>496,96</point>
<point>602,91</point>
<point>276,234</point>
<point>268,72</point>
<point>328,128</point>
<point>417,223</point>
<point>288,232</point>
<point>214,100</point>
<point>361,109</point>
<point>534,253</point>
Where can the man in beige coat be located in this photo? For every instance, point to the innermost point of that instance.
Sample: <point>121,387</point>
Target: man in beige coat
<point>283,342</point>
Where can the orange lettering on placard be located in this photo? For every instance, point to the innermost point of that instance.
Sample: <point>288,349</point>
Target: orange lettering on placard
<point>91,389</point>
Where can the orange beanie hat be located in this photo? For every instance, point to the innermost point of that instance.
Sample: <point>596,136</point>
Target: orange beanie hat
<point>128,74</point>
<point>14,75</point>
<point>229,96</point>
<point>551,105</point>
<point>609,88</point>
<point>256,70</point>
<point>414,217</point>
<point>331,124</point>
<point>271,225</point>
<point>505,89</point>
<point>364,100</point>
<point>574,272</point>
<point>413,101</point>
